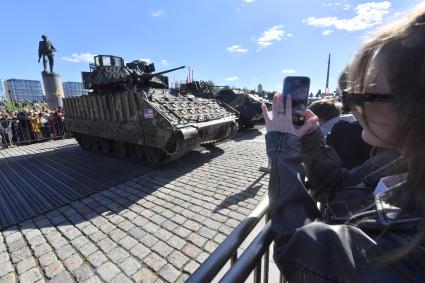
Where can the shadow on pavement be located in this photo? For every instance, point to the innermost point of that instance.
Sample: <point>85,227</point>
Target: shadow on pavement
<point>248,134</point>
<point>249,192</point>
<point>33,183</point>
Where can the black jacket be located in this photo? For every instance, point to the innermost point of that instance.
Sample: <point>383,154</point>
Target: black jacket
<point>337,243</point>
<point>346,138</point>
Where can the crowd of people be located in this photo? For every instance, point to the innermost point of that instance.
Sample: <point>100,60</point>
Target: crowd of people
<point>340,128</point>
<point>30,125</point>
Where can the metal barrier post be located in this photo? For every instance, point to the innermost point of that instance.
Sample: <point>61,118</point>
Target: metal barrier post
<point>266,256</point>
<point>250,257</point>
<point>228,248</point>
<point>234,258</point>
<point>257,272</point>
<point>250,261</point>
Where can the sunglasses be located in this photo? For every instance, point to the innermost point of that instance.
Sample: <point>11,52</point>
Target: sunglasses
<point>351,100</point>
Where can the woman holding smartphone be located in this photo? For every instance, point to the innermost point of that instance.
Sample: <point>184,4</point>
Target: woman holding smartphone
<point>373,231</point>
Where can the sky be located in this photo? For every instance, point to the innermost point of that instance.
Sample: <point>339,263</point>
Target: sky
<point>239,43</point>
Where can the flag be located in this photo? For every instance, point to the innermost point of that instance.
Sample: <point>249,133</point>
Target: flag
<point>148,113</point>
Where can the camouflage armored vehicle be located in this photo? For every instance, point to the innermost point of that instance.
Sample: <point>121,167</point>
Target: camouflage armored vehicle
<point>248,105</point>
<point>131,111</point>
<point>198,89</point>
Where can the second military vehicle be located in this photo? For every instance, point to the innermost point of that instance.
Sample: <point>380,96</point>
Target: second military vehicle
<point>131,111</point>
<point>248,105</point>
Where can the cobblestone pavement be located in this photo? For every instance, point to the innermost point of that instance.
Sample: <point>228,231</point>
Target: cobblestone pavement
<point>157,227</point>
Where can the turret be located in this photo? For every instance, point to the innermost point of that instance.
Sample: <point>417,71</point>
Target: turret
<point>111,72</point>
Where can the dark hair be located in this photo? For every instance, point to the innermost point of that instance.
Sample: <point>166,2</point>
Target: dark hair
<point>401,47</point>
<point>325,109</point>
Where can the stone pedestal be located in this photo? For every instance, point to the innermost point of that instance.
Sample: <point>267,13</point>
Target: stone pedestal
<point>53,89</point>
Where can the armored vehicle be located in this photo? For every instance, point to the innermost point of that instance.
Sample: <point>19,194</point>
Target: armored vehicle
<point>131,111</point>
<point>198,89</point>
<point>247,104</point>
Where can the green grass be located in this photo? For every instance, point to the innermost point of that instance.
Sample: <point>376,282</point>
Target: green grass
<point>11,106</point>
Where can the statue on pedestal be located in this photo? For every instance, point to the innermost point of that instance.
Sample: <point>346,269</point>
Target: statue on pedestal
<point>51,81</point>
<point>46,49</point>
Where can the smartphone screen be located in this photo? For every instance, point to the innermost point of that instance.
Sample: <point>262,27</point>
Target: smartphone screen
<point>298,88</point>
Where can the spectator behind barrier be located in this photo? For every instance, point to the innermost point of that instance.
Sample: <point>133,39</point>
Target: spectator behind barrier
<point>30,125</point>
<point>342,132</point>
<point>5,130</point>
<point>346,139</point>
<point>373,231</point>
<point>329,113</point>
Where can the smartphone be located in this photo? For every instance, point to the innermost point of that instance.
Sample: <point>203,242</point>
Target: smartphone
<point>298,88</point>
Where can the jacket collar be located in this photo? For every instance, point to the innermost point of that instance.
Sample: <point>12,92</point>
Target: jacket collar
<point>397,166</point>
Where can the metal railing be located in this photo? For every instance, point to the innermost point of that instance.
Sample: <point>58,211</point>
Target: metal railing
<point>24,131</point>
<point>254,258</point>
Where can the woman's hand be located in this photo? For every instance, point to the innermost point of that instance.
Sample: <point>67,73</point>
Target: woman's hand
<point>281,120</point>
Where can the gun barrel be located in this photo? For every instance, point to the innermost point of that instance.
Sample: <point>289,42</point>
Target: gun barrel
<point>170,70</point>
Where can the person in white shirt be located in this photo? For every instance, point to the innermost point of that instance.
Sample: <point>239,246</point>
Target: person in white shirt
<point>329,113</point>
